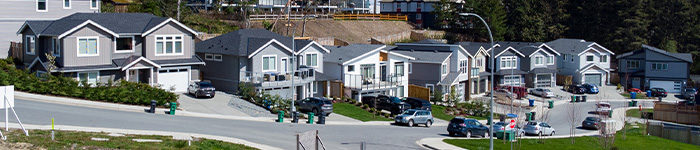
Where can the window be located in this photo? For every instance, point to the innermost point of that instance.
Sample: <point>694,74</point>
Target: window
<point>475,72</point>
<point>56,46</point>
<point>218,57</point>
<point>512,80</point>
<point>463,65</point>
<point>93,4</point>
<point>572,58</point>
<point>590,58</point>
<point>169,45</point>
<point>41,6</point>
<point>410,68</point>
<point>509,62</point>
<point>208,56</point>
<point>564,58</point>
<point>550,60</point>
<point>479,62</point>
<point>124,44</point>
<point>88,46</point>
<point>659,66</point>
<point>42,75</point>
<point>444,69</point>
<point>66,4</point>
<point>539,60</point>
<point>367,71</point>
<point>269,63</point>
<point>398,68</point>
<point>89,77</point>
<point>314,87</point>
<point>430,87</point>
<point>351,68</point>
<point>31,45</point>
<point>312,60</point>
<point>632,64</point>
<point>604,58</point>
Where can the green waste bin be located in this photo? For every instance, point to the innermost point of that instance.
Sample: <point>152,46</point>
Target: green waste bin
<point>509,135</point>
<point>610,114</point>
<point>311,118</point>
<point>529,116</point>
<point>499,134</point>
<point>489,120</point>
<point>631,104</point>
<point>173,106</point>
<point>280,116</point>
<point>551,104</point>
<point>573,98</point>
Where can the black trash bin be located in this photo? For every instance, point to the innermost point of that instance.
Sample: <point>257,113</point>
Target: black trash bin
<point>153,106</point>
<point>533,116</point>
<point>583,98</point>
<point>295,117</point>
<point>322,118</point>
<point>578,98</point>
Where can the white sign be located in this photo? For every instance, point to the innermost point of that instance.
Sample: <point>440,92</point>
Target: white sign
<point>9,93</point>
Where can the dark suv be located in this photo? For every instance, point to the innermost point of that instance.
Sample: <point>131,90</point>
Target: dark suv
<point>384,102</point>
<point>417,103</point>
<point>467,127</point>
<point>658,92</point>
<point>576,89</point>
<point>198,89</point>
<point>315,105</point>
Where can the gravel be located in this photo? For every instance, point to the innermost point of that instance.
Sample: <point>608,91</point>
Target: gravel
<point>249,108</point>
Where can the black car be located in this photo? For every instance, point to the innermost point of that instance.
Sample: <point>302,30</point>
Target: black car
<point>199,89</point>
<point>576,89</point>
<point>417,103</point>
<point>384,102</point>
<point>591,88</point>
<point>591,123</point>
<point>467,127</point>
<point>658,92</point>
<point>315,105</point>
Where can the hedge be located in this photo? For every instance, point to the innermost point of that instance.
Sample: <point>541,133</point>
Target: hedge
<point>117,92</point>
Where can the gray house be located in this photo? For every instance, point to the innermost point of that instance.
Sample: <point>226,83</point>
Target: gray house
<point>584,61</point>
<point>264,59</point>
<point>507,62</point>
<point>13,13</point>
<point>478,68</point>
<point>539,63</point>
<point>651,67</point>
<point>99,47</point>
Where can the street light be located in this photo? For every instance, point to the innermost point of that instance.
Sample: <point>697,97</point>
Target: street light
<point>492,69</point>
<point>294,57</point>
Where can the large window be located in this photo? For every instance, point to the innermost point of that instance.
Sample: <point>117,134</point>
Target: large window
<point>367,71</point>
<point>463,66</point>
<point>93,4</point>
<point>550,60</point>
<point>88,46</point>
<point>30,45</point>
<point>312,60</point>
<point>509,62</point>
<point>89,77</point>
<point>169,45</point>
<point>444,69</point>
<point>41,6</point>
<point>633,64</point>
<point>539,60</point>
<point>269,63</point>
<point>590,58</point>
<point>475,72</point>
<point>66,4</point>
<point>124,44</point>
<point>56,46</point>
<point>398,67</point>
<point>604,58</point>
<point>659,66</point>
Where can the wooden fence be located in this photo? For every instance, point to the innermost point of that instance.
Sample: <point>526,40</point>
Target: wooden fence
<point>677,113</point>
<point>676,132</point>
<point>337,90</point>
<point>418,92</point>
<point>564,79</point>
<point>369,17</point>
<point>16,50</point>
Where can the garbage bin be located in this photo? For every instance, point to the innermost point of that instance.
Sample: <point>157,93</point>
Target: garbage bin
<point>583,98</point>
<point>533,116</point>
<point>573,98</point>
<point>311,118</point>
<point>173,106</point>
<point>153,106</point>
<point>489,120</point>
<point>634,103</point>
<point>510,135</point>
<point>500,134</point>
<point>322,118</point>
<point>648,93</point>
<point>529,116</point>
<point>633,95</point>
<point>631,104</point>
<point>295,117</point>
<point>280,116</point>
<point>578,98</point>
<point>532,102</point>
<point>610,113</point>
<point>551,104</point>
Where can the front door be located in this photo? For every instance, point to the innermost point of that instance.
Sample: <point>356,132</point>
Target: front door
<point>285,66</point>
<point>383,72</point>
<point>134,75</point>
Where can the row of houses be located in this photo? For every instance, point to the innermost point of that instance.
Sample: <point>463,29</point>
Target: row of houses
<point>99,47</point>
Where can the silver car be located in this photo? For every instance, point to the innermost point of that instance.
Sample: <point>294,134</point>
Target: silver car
<point>539,128</point>
<point>413,116</point>
<point>542,92</point>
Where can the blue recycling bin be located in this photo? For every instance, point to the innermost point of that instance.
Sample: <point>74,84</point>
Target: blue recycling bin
<point>532,102</point>
<point>633,95</point>
<point>648,93</point>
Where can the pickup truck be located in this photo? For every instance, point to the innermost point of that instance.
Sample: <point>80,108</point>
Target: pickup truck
<point>384,102</point>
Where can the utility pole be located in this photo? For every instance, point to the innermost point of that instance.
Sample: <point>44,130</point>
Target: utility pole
<point>178,10</point>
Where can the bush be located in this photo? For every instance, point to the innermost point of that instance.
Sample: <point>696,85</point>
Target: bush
<point>365,106</point>
<point>117,92</point>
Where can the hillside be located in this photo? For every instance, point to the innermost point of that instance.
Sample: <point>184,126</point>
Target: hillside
<point>352,31</point>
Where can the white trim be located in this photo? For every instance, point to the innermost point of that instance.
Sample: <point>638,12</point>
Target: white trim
<point>182,44</point>
<point>206,55</point>
<point>607,58</point>
<point>46,6</point>
<point>133,44</point>
<point>309,45</point>
<point>510,48</point>
<point>410,68</point>
<point>55,46</point>
<point>397,54</point>
<point>589,49</point>
<point>166,22</point>
<point>97,4</point>
<point>482,50</point>
<point>590,66</point>
<point>87,38</point>
<point>547,59</point>
<point>551,49</point>
<point>494,45</point>
<point>466,66</point>
<point>84,24</point>
<point>606,49</point>
<point>465,51</point>
<point>262,65</point>
<point>540,49</point>
<point>590,60</point>
<point>267,44</point>
<point>543,60</point>
<point>128,73</point>
<point>364,55</point>
<point>70,4</point>
<point>312,53</point>
<point>444,69</point>
<point>510,58</point>
<point>26,45</point>
<point>314,87</point>
<point>138,60</point>
<point>284,61</point>
<point>430,85</point>
<point>221,57</point>
<point>97,78</point>
<point>189,72</point>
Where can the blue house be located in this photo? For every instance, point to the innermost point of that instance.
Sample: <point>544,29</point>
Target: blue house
<point>651,67</point>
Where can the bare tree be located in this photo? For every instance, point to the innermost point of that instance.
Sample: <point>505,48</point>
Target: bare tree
<point>544,117</point>
<point>605,139</point>
<point>573,120</point>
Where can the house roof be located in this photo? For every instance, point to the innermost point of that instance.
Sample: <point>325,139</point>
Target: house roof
<point>170,62</point>
<point>323,77</point>
<point>341,54</point>
<point>244,42</point>
<point>449,78</point>
<point>120,23</point>
<point>572,46</point>
<point>543,70</point>
<point>429,41</point>
<point>681,56</point>
<point>500,46</point>
<point>426,56</point>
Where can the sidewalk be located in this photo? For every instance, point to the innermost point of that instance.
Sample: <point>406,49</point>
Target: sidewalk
<point>144,132</point>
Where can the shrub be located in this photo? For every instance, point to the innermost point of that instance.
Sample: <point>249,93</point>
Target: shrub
<point>365,106</point>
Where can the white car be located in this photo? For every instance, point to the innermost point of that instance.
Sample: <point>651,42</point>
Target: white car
<point>538,128</point>
<point>603,108</point>
<point>542,92</point>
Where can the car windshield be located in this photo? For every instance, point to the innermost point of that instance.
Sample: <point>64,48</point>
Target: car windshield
<point>205,84</point>
<point>546,90</point>
<point>689,90</point>
<point>661,90</point>
<point>395,100</point>
<point>409,112</point>
<point>591,119</point>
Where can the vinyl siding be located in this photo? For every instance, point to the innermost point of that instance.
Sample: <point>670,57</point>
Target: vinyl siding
<point>169,29</point>
<point>28,58</point>
<point>70,43</point>
<point>272,49</point>
<point>224,74</point>
<point>317,50</point>
<point>428,74</point>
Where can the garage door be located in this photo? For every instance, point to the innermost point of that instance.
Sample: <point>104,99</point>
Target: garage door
<point>482,86</point>
<point>592,79</point>
<point>669,86</point>
<point>544,80</point>
<point>177,78</point>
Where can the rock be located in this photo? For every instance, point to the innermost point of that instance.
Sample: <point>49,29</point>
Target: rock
<point>147,140</point>
<point>99,139</point>
<point>115,135</point>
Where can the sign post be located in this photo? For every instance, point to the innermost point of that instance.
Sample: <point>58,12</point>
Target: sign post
<point>8,95</point>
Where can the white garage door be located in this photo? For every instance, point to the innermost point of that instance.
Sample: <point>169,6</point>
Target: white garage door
<point>177,78</point>
<point>669,86</point>
<point>592,79</point>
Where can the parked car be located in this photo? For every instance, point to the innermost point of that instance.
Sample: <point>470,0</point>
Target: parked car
<point>198,89</point>
<point>467,127</point>
<point>417,103</point>
<point>687,103</point>
<point>503,93</point>
<point>503,126</point>
<point>384,102</point>
<point>576,89</point>
<point>634,90</point>
<point>315,105</point>
<point>412,117</point>
<point>517,90</point>
<point>689,93</point>
<point>539,128</point>
<point>591,123</point>
<point>602,108</point>
<point>591,88</point>
<point>658,92</point>
<point>542,92</point>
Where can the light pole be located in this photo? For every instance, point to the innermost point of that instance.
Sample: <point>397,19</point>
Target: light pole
<point>492,69</point>
<point>294,57</point>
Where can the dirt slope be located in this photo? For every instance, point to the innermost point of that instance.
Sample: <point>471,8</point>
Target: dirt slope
<point>352,31</point>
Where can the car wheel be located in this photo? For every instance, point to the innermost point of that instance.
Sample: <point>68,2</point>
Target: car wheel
<point>328,114</point>
<point>452,134</point>
<point>410,123</point>
<point>196,94</point>
<point>551,134</point>
<point>315,111</point>
<point>428,124</point>
<point>469,134</point>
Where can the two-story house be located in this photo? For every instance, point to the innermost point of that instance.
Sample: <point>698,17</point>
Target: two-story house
<point>273,63</point>
<point>585,61</point>
<point>507,62</point>
<point>480,77</point>
<point>366,69</point>
<point>99,47</point>
<point>437,66</point>
<point>540,64</point>
<point>14,13</point>
<point>651,67</point>
<point>418,11</point>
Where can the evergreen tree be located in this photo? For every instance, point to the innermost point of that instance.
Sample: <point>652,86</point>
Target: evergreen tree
<point>631,32</point>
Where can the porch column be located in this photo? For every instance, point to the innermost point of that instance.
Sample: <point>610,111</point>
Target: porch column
<point>328,88</point>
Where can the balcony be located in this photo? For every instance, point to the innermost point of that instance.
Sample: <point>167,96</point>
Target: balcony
<point>275,79</point>
<point>358,82</point>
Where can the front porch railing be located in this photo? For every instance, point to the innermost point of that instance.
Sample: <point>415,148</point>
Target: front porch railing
<point>273,79</point>
<point>358,82</point>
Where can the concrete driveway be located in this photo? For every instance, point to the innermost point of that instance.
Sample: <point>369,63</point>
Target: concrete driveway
<point>605,93</point>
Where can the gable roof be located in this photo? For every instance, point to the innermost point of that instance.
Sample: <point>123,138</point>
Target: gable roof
<point>573,46</point>
<point>500,46</point>
<point>449,78</point>
<point>687,57</point>
<point>424,56</point>
<point>244,42</point>
<point>117,23</point>
<point>429,41</point>
<point>342,54</point>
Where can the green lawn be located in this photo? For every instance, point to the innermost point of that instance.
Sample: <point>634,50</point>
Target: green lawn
<point>635,140</point>
<point>439,112</point>
<point>82,140</point>
<point>355,112</point>
<point>637,113</point>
